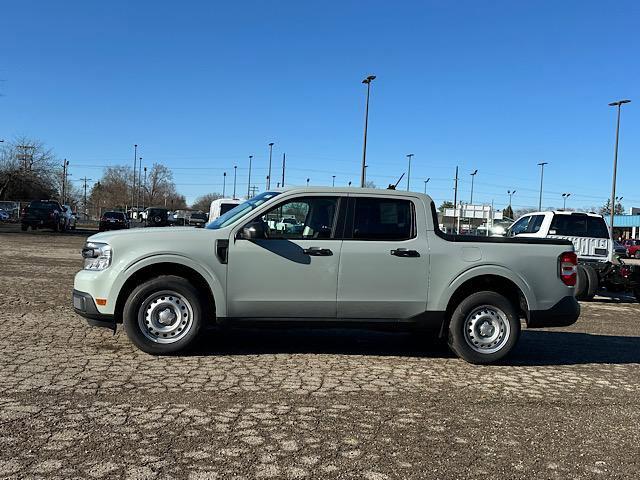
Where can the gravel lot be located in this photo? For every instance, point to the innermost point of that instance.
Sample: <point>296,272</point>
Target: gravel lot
<point>77,402</point>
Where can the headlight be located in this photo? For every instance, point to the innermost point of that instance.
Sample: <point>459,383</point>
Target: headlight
<point>97,256</point>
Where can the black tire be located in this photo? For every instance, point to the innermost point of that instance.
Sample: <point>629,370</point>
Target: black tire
<point>150,297</point>
<point>24,227</point>
<point>636,292</point>
<point>582,283</point>
<point>593,283</point>
<point>465,331</point>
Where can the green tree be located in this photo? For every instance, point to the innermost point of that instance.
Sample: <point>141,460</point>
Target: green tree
<point>446,204</point>
<point>606,208</point>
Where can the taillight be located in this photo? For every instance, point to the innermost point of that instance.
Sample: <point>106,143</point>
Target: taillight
<point>568,268</point>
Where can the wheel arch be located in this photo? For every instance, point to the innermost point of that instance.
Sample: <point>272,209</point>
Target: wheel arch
<point>166,266</point>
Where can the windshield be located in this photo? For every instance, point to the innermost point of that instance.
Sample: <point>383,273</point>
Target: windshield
<point>240,210</point>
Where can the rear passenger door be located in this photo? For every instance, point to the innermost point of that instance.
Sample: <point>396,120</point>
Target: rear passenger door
<point>384,261</point>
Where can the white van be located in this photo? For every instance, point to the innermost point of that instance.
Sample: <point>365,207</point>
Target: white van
<point>222,206</point>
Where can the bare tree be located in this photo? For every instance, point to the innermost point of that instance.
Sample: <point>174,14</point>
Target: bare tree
<point>203,203</point>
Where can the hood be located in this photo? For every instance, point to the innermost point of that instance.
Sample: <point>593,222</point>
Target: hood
<point>154,234</point>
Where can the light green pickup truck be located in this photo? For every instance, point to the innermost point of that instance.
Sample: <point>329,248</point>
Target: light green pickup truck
<point>345,255</point>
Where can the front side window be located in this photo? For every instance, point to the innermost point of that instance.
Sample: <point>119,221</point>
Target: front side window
<point>240,210</point>
<point>520,226</point>
<point>302,218</point>
<point>382,219</point>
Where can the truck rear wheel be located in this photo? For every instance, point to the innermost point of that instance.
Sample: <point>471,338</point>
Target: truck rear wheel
<point>582,283</point>
<point>484,328</point>
<point>592,282</point>
<point>24,227</point>
<point>163,315</point>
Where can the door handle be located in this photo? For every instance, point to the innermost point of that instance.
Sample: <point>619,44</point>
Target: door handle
<point>403,252</point>
<point>317,252</point>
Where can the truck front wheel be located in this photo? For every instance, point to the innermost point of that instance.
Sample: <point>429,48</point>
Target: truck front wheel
<point>163,315</point>
<point>484,328</point>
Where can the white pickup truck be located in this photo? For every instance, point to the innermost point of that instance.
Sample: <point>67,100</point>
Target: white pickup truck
<point>360,255</point>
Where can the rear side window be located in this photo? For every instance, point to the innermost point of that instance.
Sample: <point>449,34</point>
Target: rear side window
<point>579,226</point>
<point>225,207</point>
<point>382,219</point>
<point>535,223</point>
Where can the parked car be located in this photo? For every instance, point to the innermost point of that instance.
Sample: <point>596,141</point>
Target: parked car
<point>221,206</point>
<point>198,219</point>
<point>632,247</point>
<point>43,214</point>
<point>364,255</point>
<point>70,218</point>
<point>156,217</point>
<point>4,216</point>
<point>619,250</point>
<point>589,234</point>
<point>113,220</point>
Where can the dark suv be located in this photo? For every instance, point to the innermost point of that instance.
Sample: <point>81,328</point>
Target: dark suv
<point>43,214</point>
<point>157,217</point>
<point>113,221</point>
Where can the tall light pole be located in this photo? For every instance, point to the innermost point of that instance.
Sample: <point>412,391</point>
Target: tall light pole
<point>135,162</point>
<point>510,193</point>
<point>409,156</point>
<point>224,183</point>
<point>564,200</point>
<point>541,164</point>
<point>144,188</point>
<point>284,163</point>
<point>618,104</point>
<point>139,182</point>
<point>307,182</point>
<point>367,81</point>
<point>249,179</point>
<point>333,181</point>
<point>425,185</point>
<point>269,174</point>
<point>473,175</point>
<point>235,176</point>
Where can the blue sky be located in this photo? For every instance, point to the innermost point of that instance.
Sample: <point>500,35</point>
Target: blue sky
<point>498,86</point>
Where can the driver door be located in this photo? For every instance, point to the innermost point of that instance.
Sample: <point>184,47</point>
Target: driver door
<point>292,271</point>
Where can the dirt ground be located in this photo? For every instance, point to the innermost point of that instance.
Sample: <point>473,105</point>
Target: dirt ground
<point>80,402</point>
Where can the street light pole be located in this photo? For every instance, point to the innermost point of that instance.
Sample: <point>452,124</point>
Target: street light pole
<point>269,174</point>
<point>224,183</point>
<point>135,162</point>
<point>473,175</point>
<point>409,156</point>
<point>564,200</point>
<point>144,188</point>
<point>249,179</point>
<point>367,81</point>
<point>235,175</point>
<point>284,163</point>
<point>618,104</point>
<point>139,182</point>
<point>542,164</point>
<point>307,182</point>
<point>333,181</point>
<point>425,185</point>
<point>510,193</point>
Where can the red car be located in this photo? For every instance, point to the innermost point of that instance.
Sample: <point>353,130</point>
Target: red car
<point>633,248</point>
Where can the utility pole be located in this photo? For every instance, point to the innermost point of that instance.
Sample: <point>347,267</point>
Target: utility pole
<point>284,162</point>
<point>473,175</point>
<point>135,163</point>
<point>542,164</point>
<point>85,179</point>
<point>618,104</point>
<point>269,174</point>
<point>235,176</point>
<point>224,183</point>
<point>27,158</point>
<point>139,183</point>
<point>455,200</point>
<point>409,156</point>
<point>363,176</point>
<point>144,191</point>
<point>65,173</point>
<point>249,179</point>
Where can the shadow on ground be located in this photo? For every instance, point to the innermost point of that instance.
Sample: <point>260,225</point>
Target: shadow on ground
<point>535,348</point>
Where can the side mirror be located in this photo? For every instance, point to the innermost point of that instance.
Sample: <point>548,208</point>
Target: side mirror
<point>253,231</point>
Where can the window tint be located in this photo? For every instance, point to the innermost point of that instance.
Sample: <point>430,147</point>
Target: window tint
<point>535,223</point>
<point>520,226</point>
<point>382,219</point>
<point>116,215</point>
<point>578,226</point>
<point>302,218</point>
<point>225,207</point>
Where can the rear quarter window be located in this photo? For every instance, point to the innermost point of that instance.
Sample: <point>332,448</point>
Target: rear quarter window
<point>579,226</point>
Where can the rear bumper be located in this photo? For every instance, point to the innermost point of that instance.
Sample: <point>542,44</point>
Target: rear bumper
<point>85,306</point>
<point>562,314</point>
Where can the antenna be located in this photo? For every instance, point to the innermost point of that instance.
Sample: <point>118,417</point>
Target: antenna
<point>393,187</point>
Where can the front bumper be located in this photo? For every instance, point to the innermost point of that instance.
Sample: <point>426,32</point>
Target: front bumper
<point>84,305</point>
<point>562,314</point>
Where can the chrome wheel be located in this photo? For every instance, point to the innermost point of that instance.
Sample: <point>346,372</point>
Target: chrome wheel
<point>165,317</point>
<point>486,329</point>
